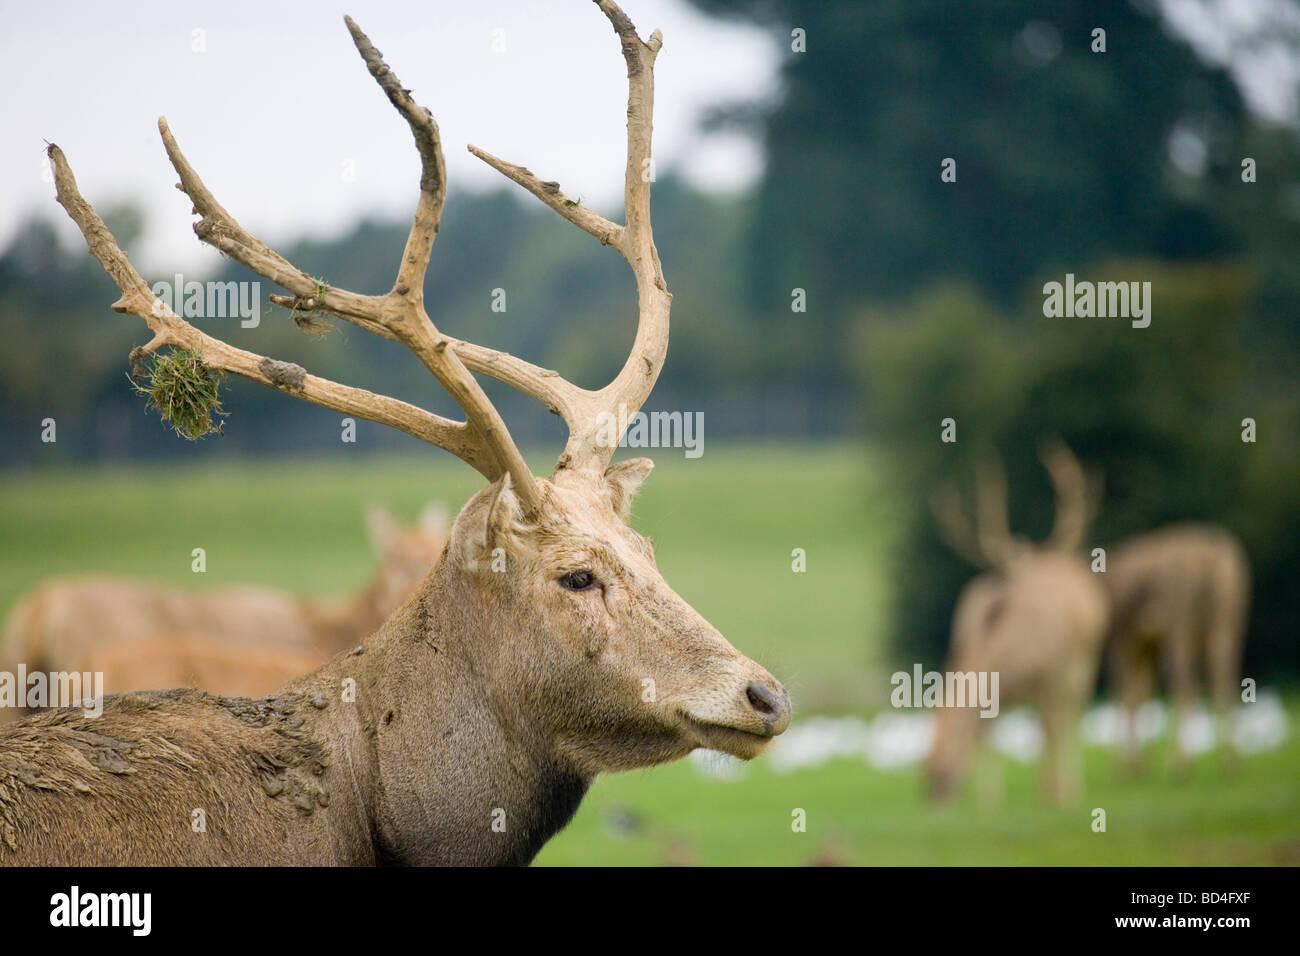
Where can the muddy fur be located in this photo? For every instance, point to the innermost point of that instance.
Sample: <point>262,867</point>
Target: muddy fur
<point>122,789</point>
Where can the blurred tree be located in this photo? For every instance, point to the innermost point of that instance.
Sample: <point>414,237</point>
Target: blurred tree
<point>1062,155</point>
<point>1158,410</point>
<point>47,367</point>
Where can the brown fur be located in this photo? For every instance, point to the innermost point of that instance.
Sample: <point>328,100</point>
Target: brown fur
<point>1181,596</point>
<point>241,641</point>
<point>1039,620</point>
<point>489,695</point>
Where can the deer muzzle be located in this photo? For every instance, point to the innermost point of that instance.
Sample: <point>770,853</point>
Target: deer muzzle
<point>741,716</point>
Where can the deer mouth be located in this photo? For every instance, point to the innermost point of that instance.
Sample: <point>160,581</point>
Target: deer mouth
<point>745,744</point>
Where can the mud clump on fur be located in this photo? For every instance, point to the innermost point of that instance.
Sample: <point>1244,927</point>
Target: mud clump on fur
<point>292,769</point>
<point>259,713</point>
<point>106,753</point>
<point>275,771</point>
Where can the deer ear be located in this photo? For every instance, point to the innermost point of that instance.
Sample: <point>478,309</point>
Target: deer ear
<point>485,524</point>
<point>385,531</point>
<point>504,514</point>
<point>623,480</point>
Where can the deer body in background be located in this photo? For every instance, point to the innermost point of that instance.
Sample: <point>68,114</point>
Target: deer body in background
<point>1038,618</point>
<point>1181,597</point>
<point>544,648</point>
<point>241,641</point>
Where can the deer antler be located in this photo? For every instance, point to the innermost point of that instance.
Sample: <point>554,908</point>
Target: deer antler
<point>171,330</point>
<point>954,528</point>
<point>988,543</point>
<point>482,440</point>
<point>991,522</point>
<point>1078,494</point>
<point>589,414</point>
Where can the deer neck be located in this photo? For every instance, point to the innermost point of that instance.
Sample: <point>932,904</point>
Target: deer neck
<point>455,771</point>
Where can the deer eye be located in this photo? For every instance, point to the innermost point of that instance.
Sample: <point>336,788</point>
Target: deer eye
<point>578,581</point>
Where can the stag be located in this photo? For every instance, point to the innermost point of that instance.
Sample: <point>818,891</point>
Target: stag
<point>467,729</point>
<point>240,641</point>
<point>1181,596</point>
<point>1037,617</point>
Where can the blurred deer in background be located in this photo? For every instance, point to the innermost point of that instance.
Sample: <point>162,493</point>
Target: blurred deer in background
<point>241,641</point>
<point>544,649</point>
<point>1037,617</point>
<point>1181,597</point>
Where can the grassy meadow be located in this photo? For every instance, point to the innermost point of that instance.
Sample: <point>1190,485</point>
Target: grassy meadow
<point>725,527</point>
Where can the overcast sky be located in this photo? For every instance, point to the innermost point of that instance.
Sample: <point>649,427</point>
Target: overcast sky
<point>273,106</point>
<point>270,101</point>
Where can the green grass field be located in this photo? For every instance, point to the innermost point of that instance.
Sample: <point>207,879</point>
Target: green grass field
<point>859,815</point>
<point>724,526</point>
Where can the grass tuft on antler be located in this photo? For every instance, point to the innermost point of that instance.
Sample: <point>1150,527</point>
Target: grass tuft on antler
<point>184,391</point>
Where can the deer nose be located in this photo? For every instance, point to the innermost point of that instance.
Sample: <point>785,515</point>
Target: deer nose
<point>771,703</point>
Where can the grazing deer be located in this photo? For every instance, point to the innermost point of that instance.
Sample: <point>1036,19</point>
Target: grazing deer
<point>1038,618</point>
<point>544,648</point>
<point>1181,596</point>
<point>241,641</point>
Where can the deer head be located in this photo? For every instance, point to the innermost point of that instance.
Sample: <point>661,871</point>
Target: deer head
<point>545,593</point>
<point>621,671</point>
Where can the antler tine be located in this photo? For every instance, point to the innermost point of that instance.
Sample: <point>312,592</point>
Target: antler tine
<point>1076,496</point>
<point>993,527</point>
<point>219,229</point>
<point>627,393</point>
<point>171,330</point>
<point>433,169</point>
<point>407,316</point>
<point>597,419</point>
<point>955,529</point>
